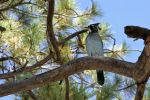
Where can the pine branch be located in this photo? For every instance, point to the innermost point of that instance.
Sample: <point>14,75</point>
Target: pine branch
<point>72,67</point>
<point>72,36</point>
<point>12,6</point>
<point>25,69</point>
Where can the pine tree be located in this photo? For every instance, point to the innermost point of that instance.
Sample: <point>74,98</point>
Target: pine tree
<point>24,43</point>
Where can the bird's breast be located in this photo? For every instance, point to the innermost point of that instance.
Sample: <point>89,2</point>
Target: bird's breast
<point>94,45</point>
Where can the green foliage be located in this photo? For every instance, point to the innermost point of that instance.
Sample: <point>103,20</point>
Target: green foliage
<point>94,9</point>
<point>108,91</point>
<point>33,35</point>
<point>25,37</point>
<point>119,51</point>
<point>78,92</point>
<point>105,32</point>
<point>52,91</point>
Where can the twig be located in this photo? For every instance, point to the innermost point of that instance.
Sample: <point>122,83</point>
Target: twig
<point>72,36</point>
<point>5,58</point>
<point>110,51</point>
<point>114,41</point>
<point>124,88</point>
<point>27,69</point>
<point>32,95</point>
<point>67,89</point>
<point>80,44</point>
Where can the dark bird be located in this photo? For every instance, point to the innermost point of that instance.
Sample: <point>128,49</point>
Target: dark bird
<point>94,47</point>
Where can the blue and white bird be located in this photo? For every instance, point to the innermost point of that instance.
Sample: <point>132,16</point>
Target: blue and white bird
<point>94,47</point>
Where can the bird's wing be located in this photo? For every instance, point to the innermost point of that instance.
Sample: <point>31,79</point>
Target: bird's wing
<point>94,45</point>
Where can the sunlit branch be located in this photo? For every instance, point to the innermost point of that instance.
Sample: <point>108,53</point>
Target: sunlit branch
<point>75,66</point>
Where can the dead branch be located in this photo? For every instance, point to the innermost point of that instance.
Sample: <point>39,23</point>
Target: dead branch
<point>136,32</point>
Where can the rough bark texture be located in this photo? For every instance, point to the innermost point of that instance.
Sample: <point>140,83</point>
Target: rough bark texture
<point>140,91</point>
<point>50,31</point>
<point>137,32</point>
<point>142,71</point>
<point>139,71</point>
<point>75,66</point>
<point>53,40</point>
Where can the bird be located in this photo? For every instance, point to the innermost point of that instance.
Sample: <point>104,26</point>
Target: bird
<point>94,47</point>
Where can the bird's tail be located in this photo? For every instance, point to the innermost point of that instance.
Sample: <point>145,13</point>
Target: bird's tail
<point>100,77</point>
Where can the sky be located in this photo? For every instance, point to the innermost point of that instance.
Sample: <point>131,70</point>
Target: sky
<point>118,14</point>
<point>121,13</point>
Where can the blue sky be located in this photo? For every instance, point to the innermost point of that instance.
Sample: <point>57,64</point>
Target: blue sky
<point>119,13</point>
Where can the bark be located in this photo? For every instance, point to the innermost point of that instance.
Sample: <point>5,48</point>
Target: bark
<point>67,88</point>
<point>72,36</point>
<point>50,31</point>
<point>75,66</point>
<point>142,71</point>
<point>53,40</point>
<point>139,71</point>
<point>137,32</point>
<point>140,91</point>
<point>26,69</point>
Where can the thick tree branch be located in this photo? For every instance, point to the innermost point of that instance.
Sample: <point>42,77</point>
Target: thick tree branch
<point>50,32</point>
<point>25,69</point>
<point>143,70</point>
<point>75,66</point>
<point>137,32</point>
<point>52,39</point>
<point>140,91</point>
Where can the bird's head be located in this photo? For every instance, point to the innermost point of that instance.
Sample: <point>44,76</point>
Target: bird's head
<point>94,27</point>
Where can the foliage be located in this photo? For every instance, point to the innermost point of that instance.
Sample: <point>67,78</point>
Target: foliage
<point>26,41</point>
